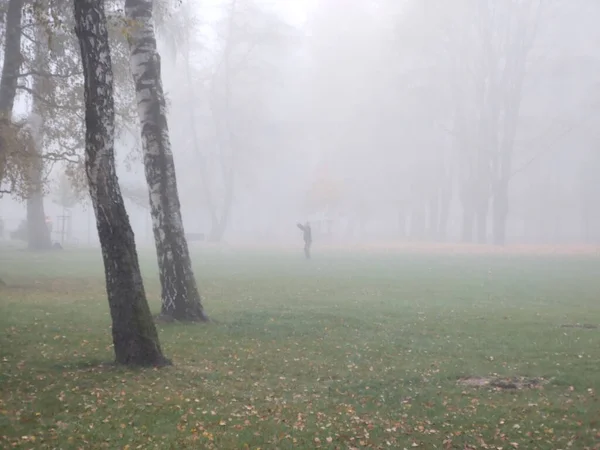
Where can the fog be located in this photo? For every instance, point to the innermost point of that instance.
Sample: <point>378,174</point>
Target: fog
<point>422,120</point>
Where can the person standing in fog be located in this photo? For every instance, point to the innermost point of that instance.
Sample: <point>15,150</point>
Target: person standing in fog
<point>307,235</point>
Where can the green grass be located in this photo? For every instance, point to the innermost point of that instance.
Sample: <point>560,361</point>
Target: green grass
<point>350,350</point>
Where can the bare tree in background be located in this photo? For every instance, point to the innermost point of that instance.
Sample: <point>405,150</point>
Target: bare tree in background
<point>520,32</point>
<point>488,45</point>
<point>481,50</point>
<point>223,115</point>
<point>135,337</point>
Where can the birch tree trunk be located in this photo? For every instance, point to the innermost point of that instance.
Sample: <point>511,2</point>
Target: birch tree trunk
<point>135,337</point>
<point>180,296</point>
<point>10,71</point>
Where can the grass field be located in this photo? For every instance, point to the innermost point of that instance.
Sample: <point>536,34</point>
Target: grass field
<point>351,350</point>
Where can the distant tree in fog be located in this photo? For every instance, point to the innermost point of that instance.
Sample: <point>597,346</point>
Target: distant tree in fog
<point>219,101</point>
<point>480,53</point>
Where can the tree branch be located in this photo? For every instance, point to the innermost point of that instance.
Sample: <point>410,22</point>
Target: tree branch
<point>46,101</point>
<point>48,74</point>
<point>552,147</point>
<point>61,156</point>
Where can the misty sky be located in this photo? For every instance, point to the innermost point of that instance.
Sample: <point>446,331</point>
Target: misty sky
<point>369,120</point>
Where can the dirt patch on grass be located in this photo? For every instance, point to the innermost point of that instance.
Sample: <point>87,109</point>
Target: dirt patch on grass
<point>502,383</point>
<point>586,326</point>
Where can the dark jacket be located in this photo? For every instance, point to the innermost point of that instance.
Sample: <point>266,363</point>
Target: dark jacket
<point>306,231</point>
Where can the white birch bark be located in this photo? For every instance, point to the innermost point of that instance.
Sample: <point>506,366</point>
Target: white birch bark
<point>135,337</point>
<point>180,296</point>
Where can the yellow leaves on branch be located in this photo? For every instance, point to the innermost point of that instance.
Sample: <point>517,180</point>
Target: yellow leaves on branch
<point>16,157</point>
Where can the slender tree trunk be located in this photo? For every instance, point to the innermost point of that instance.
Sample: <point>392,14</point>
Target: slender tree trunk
<point>417,222</point>
<point>482,195</point>
<point>225,138</point>
<point>500,212</point>
<point>12,57</point>
<point>482,217</point>
<point>504,163</point>
<point>135,337</point>
<point>445,199</point>
<point>513,74</point>
<point>217,231</point>
<point>210,204</point>
<point>222,116</point>
<point>444,214</point>
<point>468,216</point>
<point>219,226</point>
<point>180,296</point>
<point>434,216</point>
<point>38,234</point>
<point>402,222</point>
<point>482,207</point>
<point>10,71</point>
<point>221,221</point>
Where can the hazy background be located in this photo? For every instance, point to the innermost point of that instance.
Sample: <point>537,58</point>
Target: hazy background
<point>374,120</point>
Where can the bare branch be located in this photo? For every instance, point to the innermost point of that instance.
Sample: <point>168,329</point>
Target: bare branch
<point>52,156</point>
<point>552,147</point>
<point>49,75</point>
<point>37,96</point>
